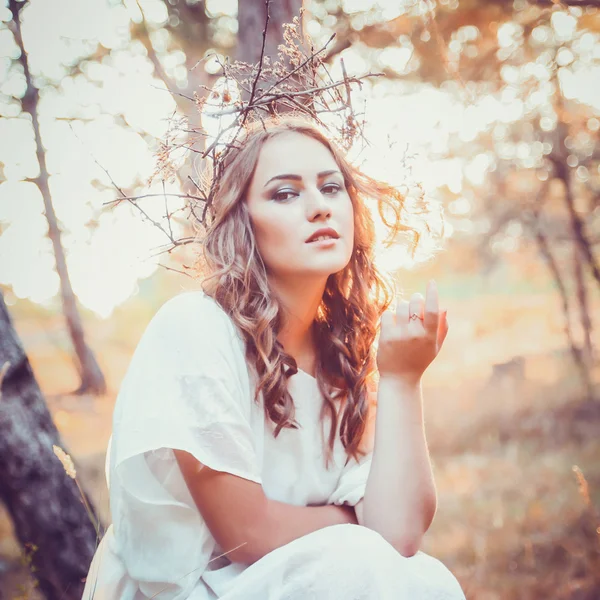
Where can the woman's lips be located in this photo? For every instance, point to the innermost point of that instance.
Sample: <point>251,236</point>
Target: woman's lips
<point>326,242</point>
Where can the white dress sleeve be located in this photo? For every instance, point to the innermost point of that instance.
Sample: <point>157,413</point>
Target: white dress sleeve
<point>183,390</point>
<point>353,481</point>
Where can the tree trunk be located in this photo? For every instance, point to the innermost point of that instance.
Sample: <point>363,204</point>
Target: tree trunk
<point>252,16</point>
<point>193,36</point>
<point>92,379</point>
<point>46,506</point>
<point>577,223</point>
<point>584,309</point>
<point>576,352</point>
<point>260,23</point>
<point>561,170</point>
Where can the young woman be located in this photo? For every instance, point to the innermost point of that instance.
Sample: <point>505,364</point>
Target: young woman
<point>247,460</point>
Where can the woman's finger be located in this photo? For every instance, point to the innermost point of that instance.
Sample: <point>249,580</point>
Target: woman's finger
<point>388,320</point>
<point>416,307</point>
<point>443,329</point>
<point>402,312</point>
<point>431,319</point>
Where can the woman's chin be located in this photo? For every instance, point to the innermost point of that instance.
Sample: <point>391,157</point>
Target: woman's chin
<point>311,269</point>
<point>330,269</point>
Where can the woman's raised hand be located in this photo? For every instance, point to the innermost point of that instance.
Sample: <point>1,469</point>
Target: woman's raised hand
<point>412,336</point>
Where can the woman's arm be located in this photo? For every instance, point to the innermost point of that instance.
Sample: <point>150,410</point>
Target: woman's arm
<point>283,523</point>
<point>400,496</point>
<point>243,521</point>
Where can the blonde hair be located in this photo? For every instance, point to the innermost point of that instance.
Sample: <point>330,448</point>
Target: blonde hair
<point>349,314</point>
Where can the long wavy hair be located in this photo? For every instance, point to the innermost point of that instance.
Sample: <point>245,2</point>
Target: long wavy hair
<point>346,326</point>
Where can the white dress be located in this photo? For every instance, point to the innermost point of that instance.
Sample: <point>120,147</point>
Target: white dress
<point>188,387</point>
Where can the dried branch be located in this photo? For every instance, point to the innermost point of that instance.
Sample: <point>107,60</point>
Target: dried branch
<point>260,62</point>
<point>296,79</point>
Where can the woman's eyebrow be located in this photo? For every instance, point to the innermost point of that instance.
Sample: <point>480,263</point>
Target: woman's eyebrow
<point>295,177</point>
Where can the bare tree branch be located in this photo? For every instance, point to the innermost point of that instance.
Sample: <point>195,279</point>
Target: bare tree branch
<point>92,378</point>
<point>534,223</point>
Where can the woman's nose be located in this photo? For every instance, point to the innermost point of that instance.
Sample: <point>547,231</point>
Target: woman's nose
<point>316,200</point>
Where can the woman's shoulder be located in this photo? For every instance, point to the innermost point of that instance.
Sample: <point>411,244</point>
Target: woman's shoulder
<point>193,315</point>
<point>193,307</point>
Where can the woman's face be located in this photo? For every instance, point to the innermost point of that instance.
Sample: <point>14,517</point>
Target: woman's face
<point>296,189</point>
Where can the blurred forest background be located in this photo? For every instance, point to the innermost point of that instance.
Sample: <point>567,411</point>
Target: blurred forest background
<point>489,108</point>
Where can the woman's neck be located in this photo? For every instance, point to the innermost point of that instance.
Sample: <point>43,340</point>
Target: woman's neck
<point>300,301</point>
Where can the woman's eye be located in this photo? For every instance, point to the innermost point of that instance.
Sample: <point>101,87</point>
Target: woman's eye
<point>283,195</point>
<point>331,188</point>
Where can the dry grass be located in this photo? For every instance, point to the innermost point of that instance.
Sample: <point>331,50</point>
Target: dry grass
<point>519,491</point>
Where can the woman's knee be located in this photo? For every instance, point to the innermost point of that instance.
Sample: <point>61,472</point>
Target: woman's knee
<point>359,545</point>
